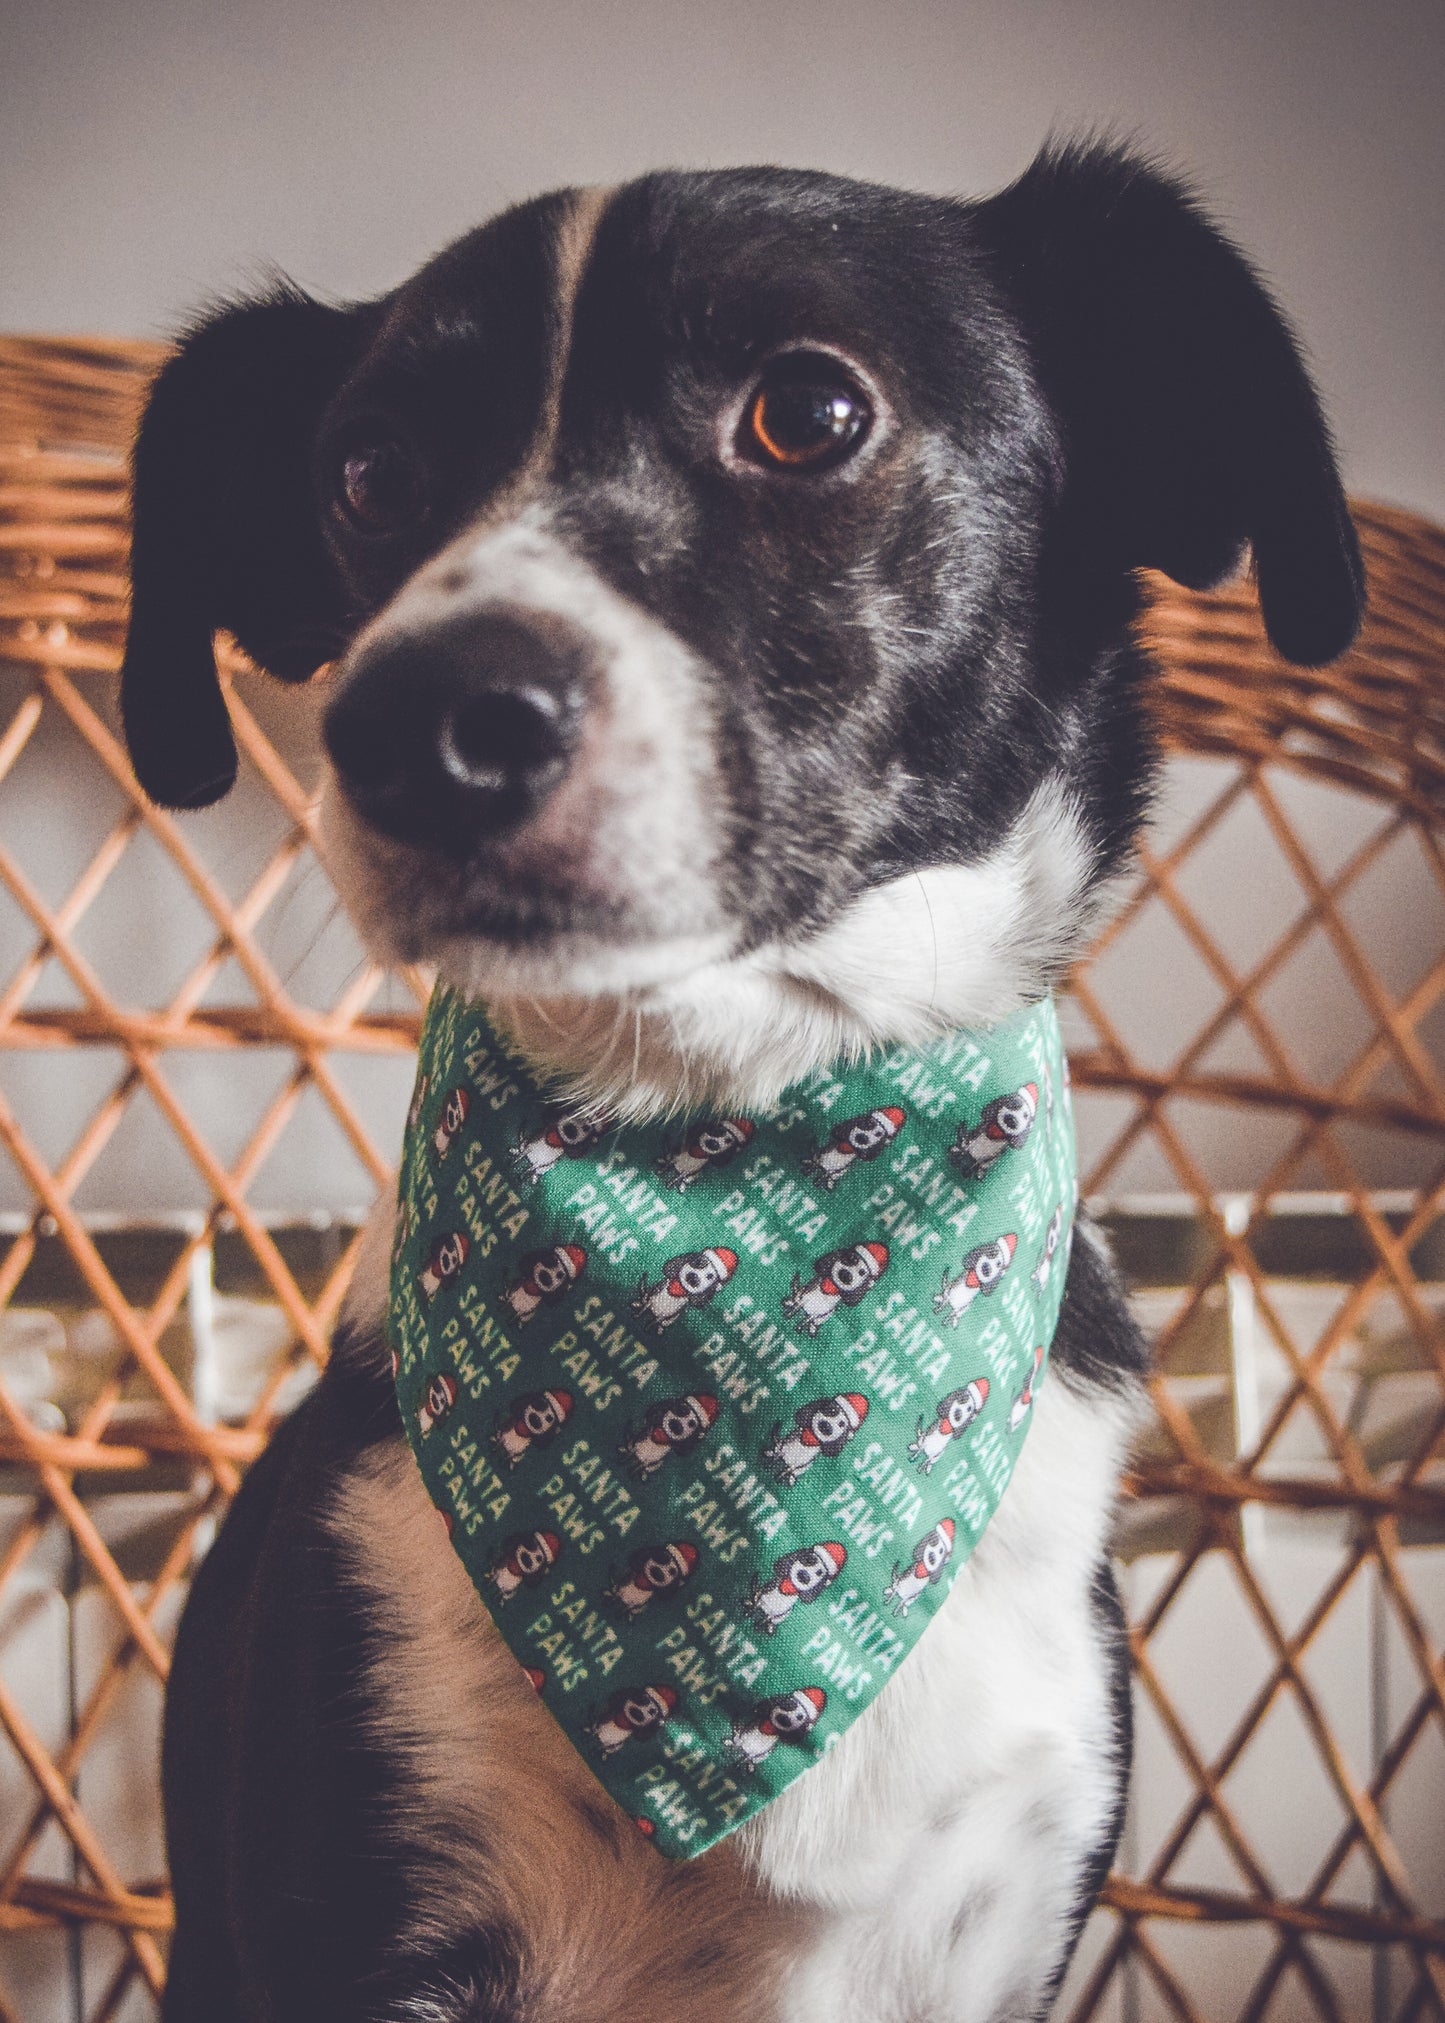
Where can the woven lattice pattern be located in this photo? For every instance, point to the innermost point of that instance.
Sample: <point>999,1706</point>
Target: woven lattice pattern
<point>1267,1136</point>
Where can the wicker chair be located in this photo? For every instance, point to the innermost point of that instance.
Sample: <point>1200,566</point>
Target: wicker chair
<point>1273,1180</point>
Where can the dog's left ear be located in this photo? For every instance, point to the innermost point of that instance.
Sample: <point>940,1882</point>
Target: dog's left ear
<point>226,532</point>
<point>1189,423</point>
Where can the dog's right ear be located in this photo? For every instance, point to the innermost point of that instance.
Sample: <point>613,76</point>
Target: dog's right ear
<point>226,532</point>
<point>1189,425</point>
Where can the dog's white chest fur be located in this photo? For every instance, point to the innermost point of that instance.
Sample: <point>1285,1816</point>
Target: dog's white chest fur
<point>935,1853</point>
<point>943,1839</point>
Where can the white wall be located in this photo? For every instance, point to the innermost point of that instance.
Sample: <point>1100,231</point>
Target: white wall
<point>156,151</point>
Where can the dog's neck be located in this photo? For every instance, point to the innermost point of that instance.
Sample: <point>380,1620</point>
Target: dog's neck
<point>932,951</point>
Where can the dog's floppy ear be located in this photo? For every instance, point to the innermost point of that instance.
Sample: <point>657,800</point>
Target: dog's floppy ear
<point>1189,423</point>
<point>225,531</point>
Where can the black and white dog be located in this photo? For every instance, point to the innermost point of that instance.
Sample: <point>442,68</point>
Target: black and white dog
<point>731,580</point>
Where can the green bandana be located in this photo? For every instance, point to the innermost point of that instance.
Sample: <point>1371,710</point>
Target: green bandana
<point>715,1410</point>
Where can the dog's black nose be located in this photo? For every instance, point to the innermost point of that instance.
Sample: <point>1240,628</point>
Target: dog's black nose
<point>448,737</point>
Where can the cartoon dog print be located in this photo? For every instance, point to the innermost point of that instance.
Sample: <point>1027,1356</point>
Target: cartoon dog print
<point>651,1570</point>
<point>634,1711</point>
<point>537,1418</point>
<point>688,1281</point>
<point>673,1426</point>
<point>856,1139</point>
<point>842,1278</point>
<point>797,1577</point>
<point>979,1274</point>
<point>449,1254</point>
<point>955,1414</point>
<point>822,1426</point>
<point>543,1277</point>
<point>1018,1411</point>
<point>570,1136</point>
<point>1002,1127</point>
<point>1043,1270</point>
<point>437,1400</point>
<point>786,1717</point>
<point>527,1558</point>
<point>935,1549</point>
<point>715,1143</point>
<point>449,1123</point>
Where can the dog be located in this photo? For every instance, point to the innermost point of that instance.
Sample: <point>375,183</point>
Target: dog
<point>727,588</point>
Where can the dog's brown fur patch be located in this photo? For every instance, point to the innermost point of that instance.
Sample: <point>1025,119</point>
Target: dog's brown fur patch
<point>607,1930</point>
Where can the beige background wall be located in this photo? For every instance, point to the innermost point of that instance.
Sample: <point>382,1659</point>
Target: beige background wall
<point>156,151</point>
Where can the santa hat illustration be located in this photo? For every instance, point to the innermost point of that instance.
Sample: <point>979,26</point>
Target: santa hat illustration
<point>891,1118</point>
<point>877,1254</point>
<point>571,1257</point>
<point>437,1400</point>
<point>703,1405</point>
<point>995,1127</point>
<point>723,1262</point>
<point>662,1699</point>
<point>534,1678</point>
<point>1009,1243</point>
<point>854,1407</point>
<point>680,1555</point>
<point>739,1129</point>
<point>453,1116</point>
<point>816,1698</point>
<point>561,1403</point>
<point>975,1394</point>
<point>944,1529</point>
<point>449,1254</point>
<point>833,1555</point>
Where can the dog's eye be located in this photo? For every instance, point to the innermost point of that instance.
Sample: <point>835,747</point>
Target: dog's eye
<point>381,487</point>
<point>805,414</point>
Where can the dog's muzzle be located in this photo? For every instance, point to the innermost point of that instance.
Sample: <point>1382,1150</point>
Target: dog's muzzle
<point>451,735</point>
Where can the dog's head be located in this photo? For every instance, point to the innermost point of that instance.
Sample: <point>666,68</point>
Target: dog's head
<point>730,577</point>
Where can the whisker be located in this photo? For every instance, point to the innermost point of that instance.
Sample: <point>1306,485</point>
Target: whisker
<point>933,930</point>
<point>329,920</point>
